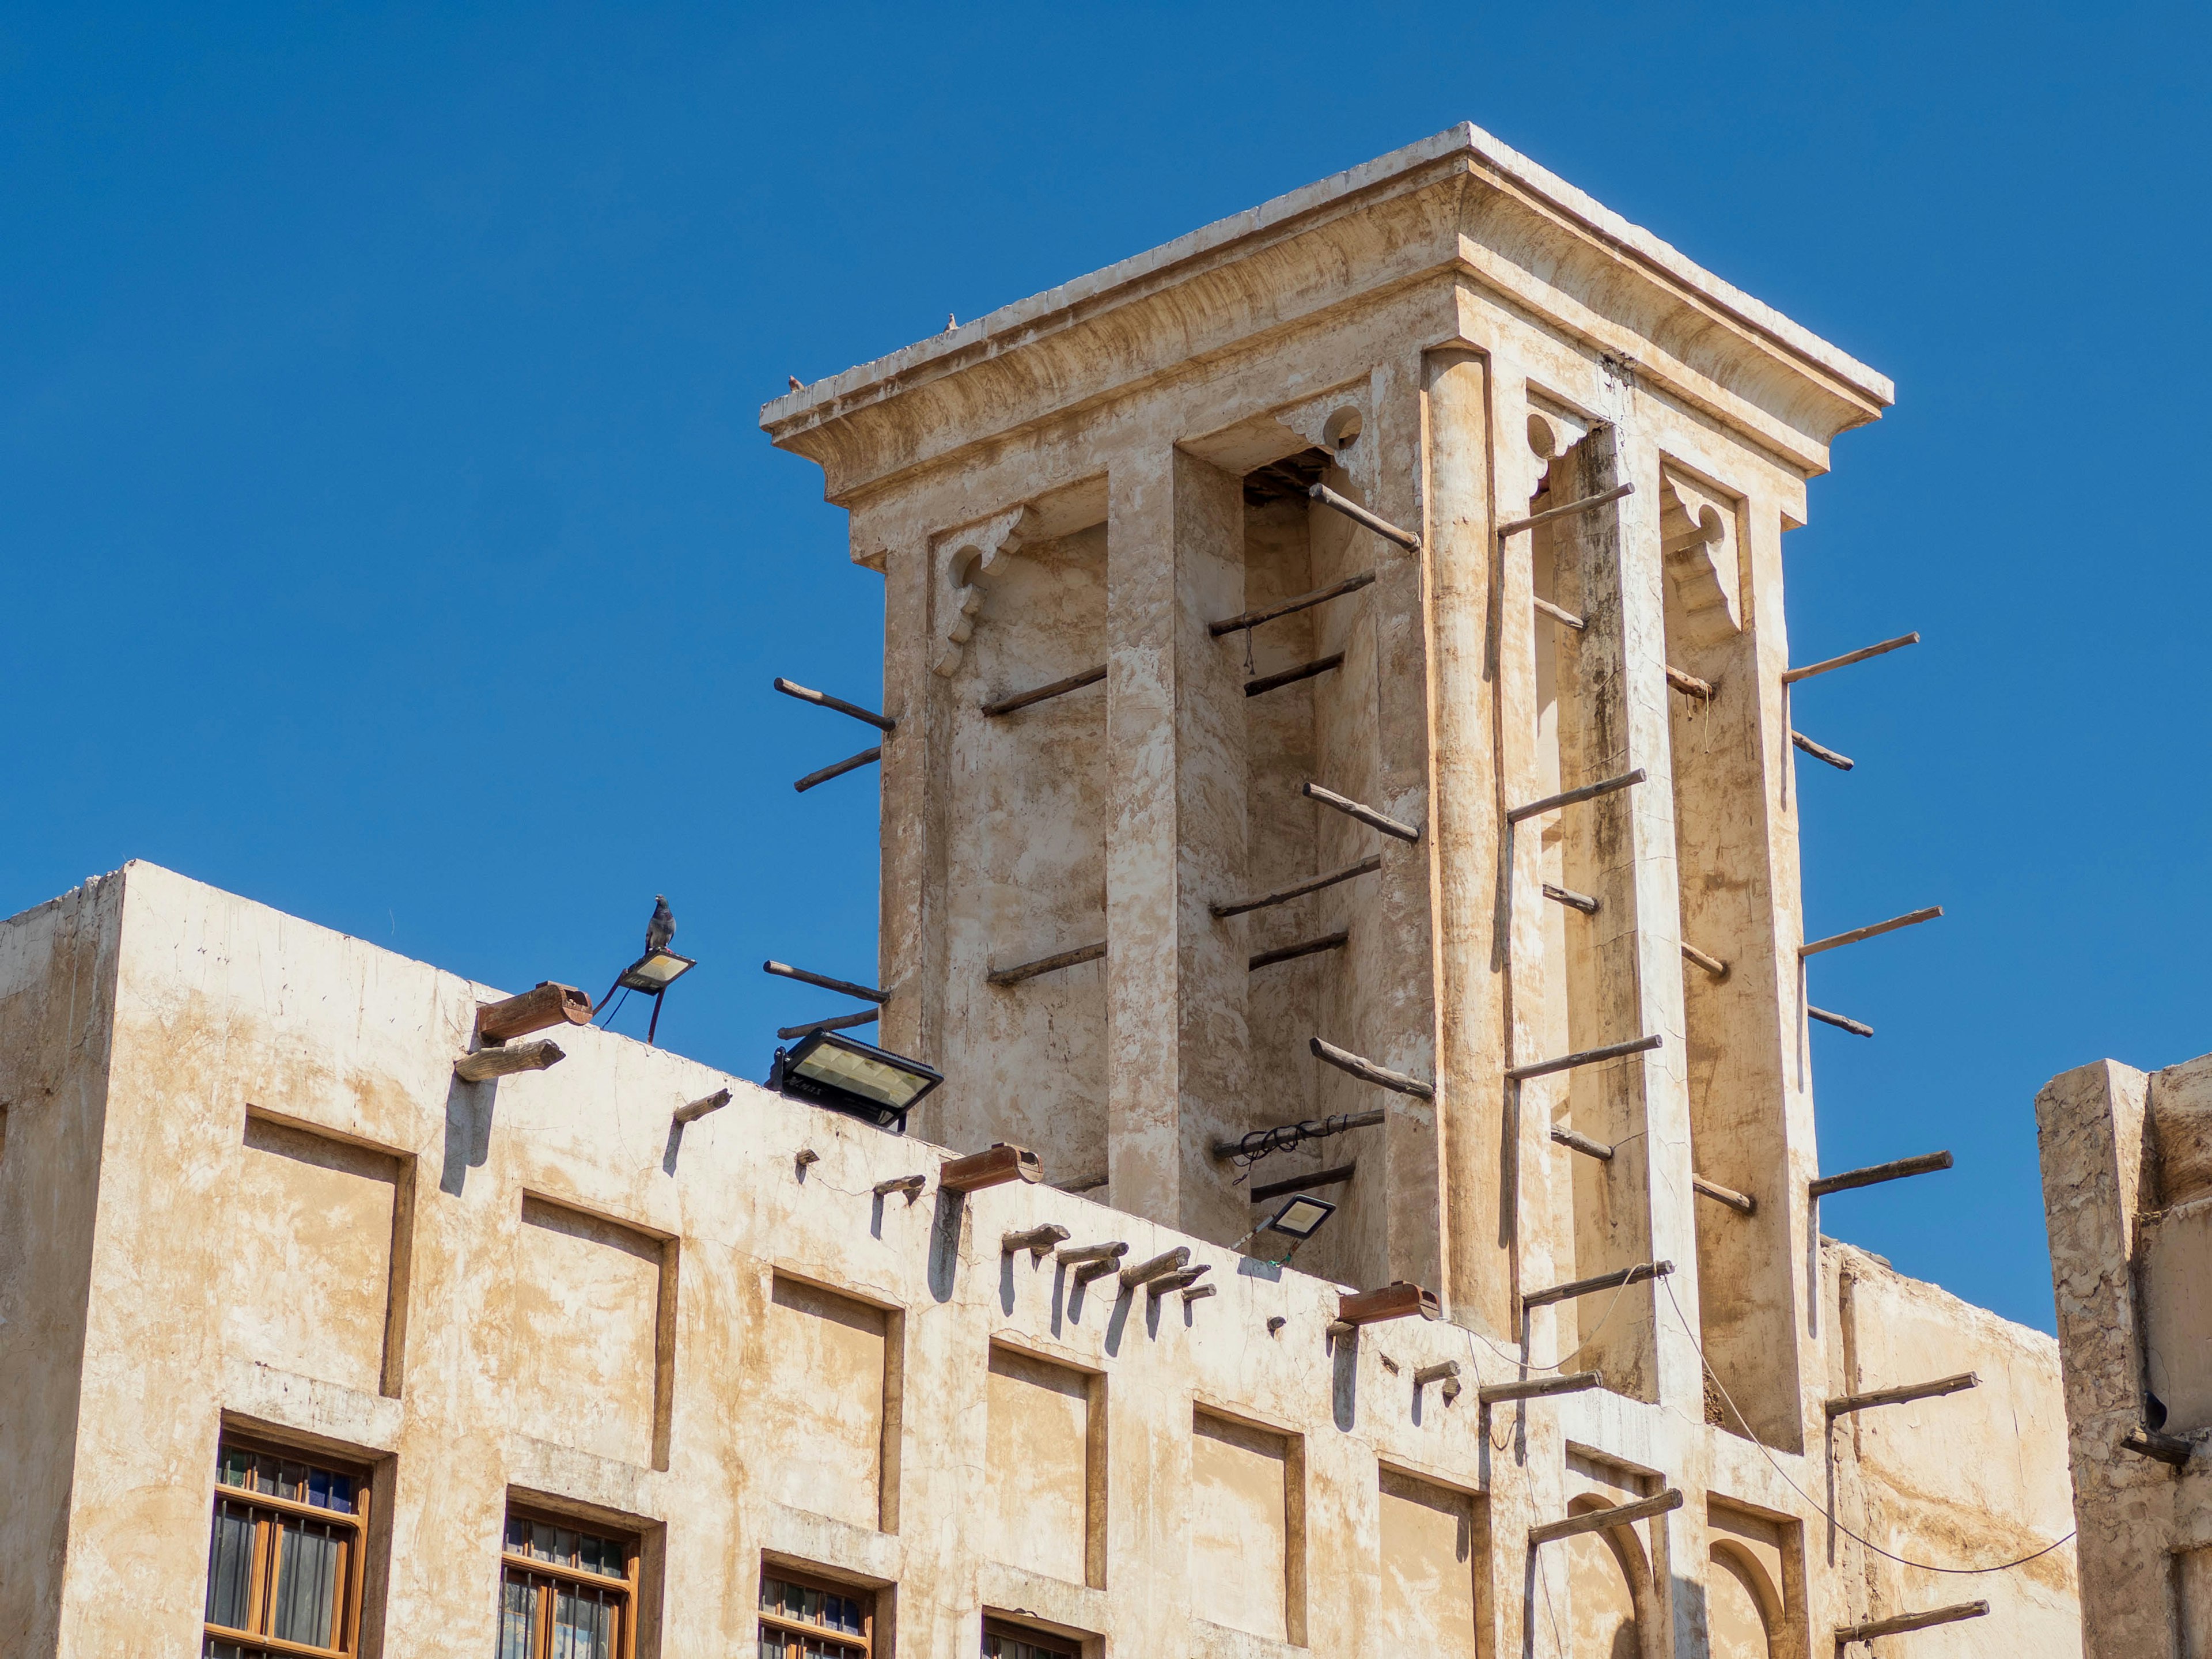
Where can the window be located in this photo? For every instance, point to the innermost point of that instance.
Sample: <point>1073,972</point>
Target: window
<point>1004,1641</point>
<point>564,1593</point>
<point>803,1618</point>
<point>284,1556</point>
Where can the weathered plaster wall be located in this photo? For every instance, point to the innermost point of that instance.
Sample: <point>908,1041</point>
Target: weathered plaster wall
<point>57,967</point>
<point>843,1380</point>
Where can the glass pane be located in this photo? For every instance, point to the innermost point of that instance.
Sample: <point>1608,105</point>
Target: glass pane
<point>235,1467</point>
<point>309,1564</point>
<point>518,1617</point>
<point>518,1535</point>
<point>583,1623</point>
<point>771,1646</point>
<point>212,1649</point>
<point>230,1566</point>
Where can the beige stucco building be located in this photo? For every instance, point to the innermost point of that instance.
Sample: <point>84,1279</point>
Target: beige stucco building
<point>559,1360</point>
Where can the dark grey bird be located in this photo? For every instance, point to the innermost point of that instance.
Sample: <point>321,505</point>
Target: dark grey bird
<point>661,928</point>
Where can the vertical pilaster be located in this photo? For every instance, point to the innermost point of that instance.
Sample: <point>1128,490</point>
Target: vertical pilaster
<point>1468,829</point>
<point>911,938</point>
<point>1174,842</point>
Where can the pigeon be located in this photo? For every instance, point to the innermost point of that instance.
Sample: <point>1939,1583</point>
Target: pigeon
<point>952,322</point>
<point>794,379</point>
<point>661,928</point>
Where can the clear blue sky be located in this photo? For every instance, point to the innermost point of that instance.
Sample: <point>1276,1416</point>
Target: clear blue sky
<point>387,534</point>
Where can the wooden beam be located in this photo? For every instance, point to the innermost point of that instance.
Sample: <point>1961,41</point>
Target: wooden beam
<point>533,1011</point>
<point>1089,1255</point>
<point>1336,941</point>
<point>1283,607</point>
<point>1844,1404</point>
<point>1926,1164</point>
<point>850,763</point>
<point>910,1185</point>
<point>1366,866</point>
<point>1874,931</point>
<point>1517,525</point>
<point>1689,684</point>
<point>1044,693</point>
<point>1366,815</point>
<point>1839,1020</point>
<point>1167,1261</point>
<point>1572,899</point>
<point>868,1018</point>
<point>1074,958</point>
<point>1743,1203</point>
<point>699,1108</point>
<point>487,1063</point>
<point>994,1168</point>
<point>1198,1292</point>
<point>2166,1448</point>
<point>1584,1145</point>
<point>1599,1520</point>
<point>1444,1371</point>
<point>1791,676</point>
<point>1538,1388</point>
<point>1841,762</point>
<point>1587,1057</point>
<point>1559,615</point>
<point>1905,1621</point>
<point>1588,791</point>
<point>1328,1177</point>
<point>1368,1072</point>
<point>1573,1288</point>
<point>1305,671</point>
<point>823,700</point>
<point>1397,1300</point>
<point>1712,965</point>
<point>1360,515</point>
<point>865,993</point>
<point>1181,1280</point>
<point>1038,1241</point>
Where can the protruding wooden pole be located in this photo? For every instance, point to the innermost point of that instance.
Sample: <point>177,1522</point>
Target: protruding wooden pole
<point>1568,798</point>
<point>1574,1288</point>
<point>1572,899</point>
<point>1538,1388</point>
<point>1336,941</point>
<point>1689,684</point>
<point>1038,1241</point>
<point>842,1021</point>
<point>1587,1057</point>
<point>1928,1164</point>
<point>1045,693</point>
<point>1086,1255</point>
<point>1075,958</point>
<point>1366,815</point>
<point>1262,1140</point>
<point>910,1185</point>
<point>1168,1261</point>
<point>1583,1143</point>
<point>865,993</point>
<point>1559,615</point>
<point>1826,1018</point>
<point>850,763</point>
<point>1872,931</point>
<point>1284,607</point>
<point>1181,1280</point>
<point>1305,671</point>
<point>1844,1404</point>
<point>1397,1300</point>
<point>699,1108</point>
<point>1516,526</point>
<point>1905,1621</point>
<point>823,700</point>
<point>1328,1177</point>
<point>533,1011</point>
<point>1712,965</point>
<point>1368,1072</point>
<point>2172,1449</point>
<point>1599,1520</point>
<point>1366,866</point>
<point>1791,676</point>
<point>488,1063</point>
<point>1360,515</point>
<point>1741,1202</point>
<point>1841,762</point>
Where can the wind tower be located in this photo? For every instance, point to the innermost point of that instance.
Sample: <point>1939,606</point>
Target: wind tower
<point>1246,600</point>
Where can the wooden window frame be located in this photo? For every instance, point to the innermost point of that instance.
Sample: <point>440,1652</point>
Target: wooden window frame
<point>793,1629</point>
<point>625,1642</point>
<point>268,1529</point>
<point>1008,1630</point>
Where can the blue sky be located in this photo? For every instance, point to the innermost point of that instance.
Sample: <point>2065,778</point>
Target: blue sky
<point>388,535</point>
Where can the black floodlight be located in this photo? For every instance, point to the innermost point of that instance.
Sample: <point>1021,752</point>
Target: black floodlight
<point>1300,1217</point>
<point>652,973</point>
<point>828,1068</point>
<point>1298,1221</point>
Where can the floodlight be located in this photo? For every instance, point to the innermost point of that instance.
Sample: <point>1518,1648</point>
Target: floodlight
<point>652,973</point>
<point>1300,1217</point>
<point>828,1068</point>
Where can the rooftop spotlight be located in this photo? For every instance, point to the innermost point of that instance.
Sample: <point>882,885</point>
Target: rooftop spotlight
<point>651,974</point>
<point>1298,1221</point>
<point>828,1068</point>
